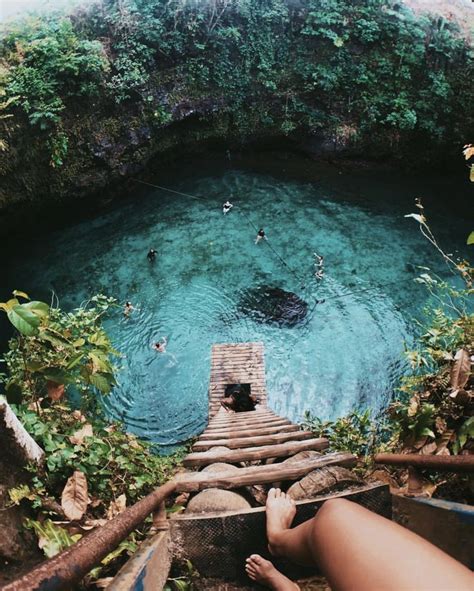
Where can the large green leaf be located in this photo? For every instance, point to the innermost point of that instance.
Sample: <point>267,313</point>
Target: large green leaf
<point>470,238</point>
<point>23,320</point>
<point>100,362</point>
<point>99,339</point>
<point>75,360</point>
<point>39,308</point>
<point>100,382</point>
<point>55,339</point>
<point>58,375</point>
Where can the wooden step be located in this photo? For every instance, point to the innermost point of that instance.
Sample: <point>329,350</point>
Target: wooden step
<point>195,481</point>
<point>281,450</point>
<point>242,417</point>
<point>250,432</point>
<point>259,410</point>
<point>272,422</point>
<point>240,442</point>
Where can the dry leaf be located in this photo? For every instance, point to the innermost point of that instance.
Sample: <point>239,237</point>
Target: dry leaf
<point>77,414</point>
<point>95,502</point>
<point>74,498</point>
<point>103,583</point>
<point>443,443</point>
<point>461,369</point>
<point>428,449</point>
<point>78,437</point>
<point>414,404</point>
<point>117,506</point>
<point>55,390</point>
<point>460,397</point>
<point>36,405</point>
<point>440,425</point>
<point>468,151</point>
<point>93,523</point>
<point>419,443</point>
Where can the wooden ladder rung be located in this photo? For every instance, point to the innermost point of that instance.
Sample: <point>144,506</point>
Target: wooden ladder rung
<point>239,442</point>
<point>249,432</point>
<point>196,481</point>
<point>281,450</point>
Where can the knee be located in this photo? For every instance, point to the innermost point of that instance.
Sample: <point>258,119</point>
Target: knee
<point>333,510</point>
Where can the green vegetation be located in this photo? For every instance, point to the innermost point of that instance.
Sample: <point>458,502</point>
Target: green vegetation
<point>54,349</point>
<point>54,358</point>
<point>357,432</point>
<point>366,72</point>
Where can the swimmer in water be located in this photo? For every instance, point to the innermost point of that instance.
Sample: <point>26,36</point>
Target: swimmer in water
<point>127,308</point>
<point>227,207</point>
<point>260,236</point>
<point>160,346</point>
<point>151,256</point>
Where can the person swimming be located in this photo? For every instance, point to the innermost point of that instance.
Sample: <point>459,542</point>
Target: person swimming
<point>319,266</point>
<point>160,346</point>
<point>151,256</point>
<point>227,206</point>
<point>127,308</point>
<point>260,236</point>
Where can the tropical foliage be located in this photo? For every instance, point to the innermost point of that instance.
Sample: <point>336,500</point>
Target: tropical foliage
<point>366,71</point>
<point>54,350</point>
<point>92,468</point>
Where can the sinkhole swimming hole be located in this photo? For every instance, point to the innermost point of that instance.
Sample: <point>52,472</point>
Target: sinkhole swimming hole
<point>210,283</point>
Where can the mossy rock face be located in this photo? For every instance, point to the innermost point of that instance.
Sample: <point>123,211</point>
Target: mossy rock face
<point>272,305</point>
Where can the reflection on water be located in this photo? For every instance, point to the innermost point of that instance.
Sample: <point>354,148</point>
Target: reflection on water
<point>343,354</point>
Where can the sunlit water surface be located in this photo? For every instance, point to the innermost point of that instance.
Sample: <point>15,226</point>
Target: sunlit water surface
<point>346,354</point>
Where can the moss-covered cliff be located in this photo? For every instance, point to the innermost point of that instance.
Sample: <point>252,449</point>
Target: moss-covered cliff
<point>90,97</point>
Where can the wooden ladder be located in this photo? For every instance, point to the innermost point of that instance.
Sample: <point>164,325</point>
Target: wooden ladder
<point>253,436</point>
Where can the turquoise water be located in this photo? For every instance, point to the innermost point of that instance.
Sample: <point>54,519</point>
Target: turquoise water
<point>347,352</point>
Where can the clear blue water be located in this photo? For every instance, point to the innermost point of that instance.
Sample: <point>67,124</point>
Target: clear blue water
<point>347,354</point>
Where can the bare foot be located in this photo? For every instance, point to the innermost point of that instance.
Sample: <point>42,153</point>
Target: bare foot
<point>263,571</point>
<point>280,511</point>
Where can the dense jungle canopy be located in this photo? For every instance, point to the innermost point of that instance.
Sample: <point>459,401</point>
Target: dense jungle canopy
<point>91,95</point>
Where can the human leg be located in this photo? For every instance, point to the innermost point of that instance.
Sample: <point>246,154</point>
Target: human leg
<point>357,549</point>
<point>262,571</point>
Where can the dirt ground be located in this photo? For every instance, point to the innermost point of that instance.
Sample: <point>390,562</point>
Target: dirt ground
<point>460,10</point>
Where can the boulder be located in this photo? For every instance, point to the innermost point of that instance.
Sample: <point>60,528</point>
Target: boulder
<point>212,500</point>
<point>219,466</point>
<point>322,481</point>
<point>302,455</point>
<point>272,305</point>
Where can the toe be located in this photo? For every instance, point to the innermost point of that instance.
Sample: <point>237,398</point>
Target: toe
<point>271,493</point>
<point>256,558</point>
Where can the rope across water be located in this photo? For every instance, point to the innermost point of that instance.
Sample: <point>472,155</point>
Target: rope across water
<point>275,252</point>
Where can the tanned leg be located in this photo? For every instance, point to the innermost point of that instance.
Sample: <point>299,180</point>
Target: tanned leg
<point>262,571</point>
<point>358,550</point>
